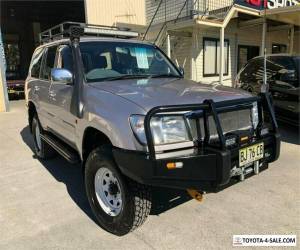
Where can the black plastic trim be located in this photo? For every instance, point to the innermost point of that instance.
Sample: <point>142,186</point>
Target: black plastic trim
<point>205,169</point>
<point>62,148</point>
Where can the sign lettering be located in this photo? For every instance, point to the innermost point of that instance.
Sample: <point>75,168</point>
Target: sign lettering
<point>269,4</point>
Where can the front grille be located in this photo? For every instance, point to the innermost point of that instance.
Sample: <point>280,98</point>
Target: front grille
<point>231,122</point>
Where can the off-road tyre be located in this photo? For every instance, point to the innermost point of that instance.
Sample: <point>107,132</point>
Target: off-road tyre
<point>136,198</point>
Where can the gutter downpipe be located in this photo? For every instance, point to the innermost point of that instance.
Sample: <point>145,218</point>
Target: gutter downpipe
<point>4,103</point>
<point>221,62</point>
<point>168,45</point>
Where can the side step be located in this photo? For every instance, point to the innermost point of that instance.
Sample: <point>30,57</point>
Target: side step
<point>62,148</point>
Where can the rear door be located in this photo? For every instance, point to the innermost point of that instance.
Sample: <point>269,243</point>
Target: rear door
<point>36,88</point>
<point>47,65</point>
<point>60,95</point>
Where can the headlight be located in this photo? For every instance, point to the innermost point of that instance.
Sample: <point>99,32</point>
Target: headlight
<point>255,118</point>
<point>165,129</point>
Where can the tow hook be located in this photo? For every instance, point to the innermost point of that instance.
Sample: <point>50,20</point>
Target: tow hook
<point>195,194</point>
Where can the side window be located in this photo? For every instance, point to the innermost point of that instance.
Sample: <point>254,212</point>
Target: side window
<point>285,72</point>
<point>65,58</point>
<point>35,65</point>
<point>48,63</point>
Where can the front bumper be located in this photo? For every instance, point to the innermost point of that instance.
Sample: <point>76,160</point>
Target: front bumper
<point>205,170</point>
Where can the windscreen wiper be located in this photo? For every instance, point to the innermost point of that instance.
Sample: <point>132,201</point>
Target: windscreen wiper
<point>165,76</point>
<point>125,77</point>
<point>128,76</point>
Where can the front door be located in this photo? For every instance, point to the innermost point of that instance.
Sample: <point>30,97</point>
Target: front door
<point>245,53</point>
<point>60,96</point>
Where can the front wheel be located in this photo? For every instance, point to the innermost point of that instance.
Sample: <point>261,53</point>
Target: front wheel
<point>119,204</point>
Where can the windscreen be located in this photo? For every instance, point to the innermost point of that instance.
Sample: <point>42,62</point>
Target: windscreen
<point>115,60</point>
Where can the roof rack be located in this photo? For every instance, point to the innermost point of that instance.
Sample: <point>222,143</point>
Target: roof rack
<point>68,30</point>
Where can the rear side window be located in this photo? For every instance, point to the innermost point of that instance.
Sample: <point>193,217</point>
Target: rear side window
<point>36,62</point>
<point>283,63</point>
<point>49,63</point>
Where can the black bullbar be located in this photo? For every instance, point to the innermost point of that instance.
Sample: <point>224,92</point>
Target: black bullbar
<point>208,166</point>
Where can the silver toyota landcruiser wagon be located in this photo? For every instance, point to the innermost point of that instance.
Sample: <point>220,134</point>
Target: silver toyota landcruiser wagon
<point>122,109</point>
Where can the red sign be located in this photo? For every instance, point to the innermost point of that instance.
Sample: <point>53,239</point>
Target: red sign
<point>257,3</point>
<point>272,4</point>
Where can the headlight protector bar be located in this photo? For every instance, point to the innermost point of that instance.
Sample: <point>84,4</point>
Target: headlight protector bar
<point>209,107</point>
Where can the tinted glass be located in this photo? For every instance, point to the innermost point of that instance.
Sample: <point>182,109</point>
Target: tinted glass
<point>297,64</point>
<point>35,65</point>
<point>284,69</point>
<point>49,63</point>
<point>109,60</point>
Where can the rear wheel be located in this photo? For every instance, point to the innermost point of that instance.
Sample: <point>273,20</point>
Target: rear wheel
<point>41,148</point>
<point>119,204</point>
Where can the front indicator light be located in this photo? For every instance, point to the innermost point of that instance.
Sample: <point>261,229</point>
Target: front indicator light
<point>174,165</point>
<point>244,138</point>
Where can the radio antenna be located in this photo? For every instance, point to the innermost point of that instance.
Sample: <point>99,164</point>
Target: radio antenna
<point>264,87</point>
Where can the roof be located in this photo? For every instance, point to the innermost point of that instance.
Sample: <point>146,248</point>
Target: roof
<point>274,55</point>
<point>95,39</point>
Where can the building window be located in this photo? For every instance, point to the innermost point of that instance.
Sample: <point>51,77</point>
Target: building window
<point>279,48</point>
<point>211,58</point>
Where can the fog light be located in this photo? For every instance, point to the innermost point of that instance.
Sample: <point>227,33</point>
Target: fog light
<point>264,131</point>
<point>229,142</point>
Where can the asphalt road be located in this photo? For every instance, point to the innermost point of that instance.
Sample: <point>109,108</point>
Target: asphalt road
<point>43,205</point>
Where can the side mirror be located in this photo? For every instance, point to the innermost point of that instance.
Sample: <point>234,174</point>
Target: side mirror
<point>181,70</point>
<point>63,76</point>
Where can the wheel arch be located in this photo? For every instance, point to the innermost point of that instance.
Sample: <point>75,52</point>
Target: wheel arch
<point>93,138</point>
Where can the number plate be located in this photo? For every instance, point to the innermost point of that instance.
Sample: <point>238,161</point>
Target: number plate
<point>251,154</point>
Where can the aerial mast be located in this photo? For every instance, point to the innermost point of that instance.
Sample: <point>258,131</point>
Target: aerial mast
<point>264,87</point>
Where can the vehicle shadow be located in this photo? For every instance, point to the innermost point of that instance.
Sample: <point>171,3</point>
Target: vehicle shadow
<point>71,175</point>
<point>62,171</point>
<point>164,199</point>
<point>289,134</point>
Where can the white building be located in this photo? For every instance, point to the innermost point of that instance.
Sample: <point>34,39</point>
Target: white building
<point>197,33</point>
